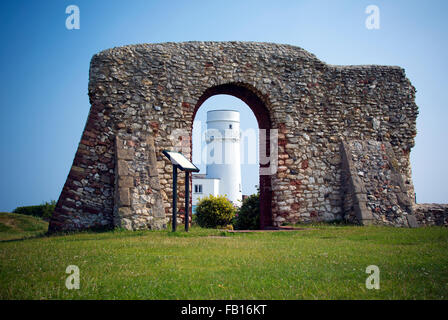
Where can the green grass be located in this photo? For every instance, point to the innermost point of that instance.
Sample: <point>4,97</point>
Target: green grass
<point>323,262</point>
<point>19,226</point>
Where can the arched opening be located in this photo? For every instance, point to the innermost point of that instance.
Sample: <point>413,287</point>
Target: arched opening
<point>255,102</point>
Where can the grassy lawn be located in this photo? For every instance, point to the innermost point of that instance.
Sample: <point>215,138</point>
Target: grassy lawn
<point>323,262</point>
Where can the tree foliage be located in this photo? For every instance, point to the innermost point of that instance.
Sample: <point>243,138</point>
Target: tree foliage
<point>248,215</point>
<point>43,211</point>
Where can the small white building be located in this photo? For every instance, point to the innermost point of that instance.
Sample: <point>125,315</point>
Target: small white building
<point>223,171</point>
<point>202,187</point>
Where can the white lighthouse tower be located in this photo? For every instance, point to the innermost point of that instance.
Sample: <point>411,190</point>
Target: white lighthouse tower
<point>223,170</point>
<point>223,152</point>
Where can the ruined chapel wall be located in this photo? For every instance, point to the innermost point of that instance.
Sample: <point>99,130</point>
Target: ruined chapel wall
<point>151,90</point>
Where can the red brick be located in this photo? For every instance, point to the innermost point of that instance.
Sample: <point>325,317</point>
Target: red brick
<point>304,164</point>
<point>88,143</point>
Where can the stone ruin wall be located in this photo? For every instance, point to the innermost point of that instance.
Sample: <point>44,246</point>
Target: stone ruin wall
<point>431,214</point>
<point>141,94</point>
<point>375,191</point>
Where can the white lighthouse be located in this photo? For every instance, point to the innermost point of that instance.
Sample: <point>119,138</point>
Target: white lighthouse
<point>223,144</point>
<point>223,169</point>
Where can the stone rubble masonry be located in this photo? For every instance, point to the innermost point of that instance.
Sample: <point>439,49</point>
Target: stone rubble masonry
<point>375,191</point>
<point>432,214</point>
<point>355,194</point>
<point>142,94</point>
<point>138,200</point>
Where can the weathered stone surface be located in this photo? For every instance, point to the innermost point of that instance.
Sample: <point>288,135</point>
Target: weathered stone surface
<point>432,214</point>
<point>138,201</point>
<point>126,182</point>
<point>373,180</point>
<point>122,168</point>
<point>125,212</point>
<point>125,154</point>
<point>124,198</point>
<point>152,91</point>
<point>412,221</point>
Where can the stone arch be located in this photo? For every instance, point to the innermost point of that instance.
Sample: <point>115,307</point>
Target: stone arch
<point>258,103</point>
<point>140,94</point>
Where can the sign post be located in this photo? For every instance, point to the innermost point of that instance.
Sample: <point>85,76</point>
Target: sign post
<point>180,162</point>
<point>187,198</point>
<point>174,218</point>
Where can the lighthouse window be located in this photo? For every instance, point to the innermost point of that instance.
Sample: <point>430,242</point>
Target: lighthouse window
<point>198,188</point>
<point>230,126</point>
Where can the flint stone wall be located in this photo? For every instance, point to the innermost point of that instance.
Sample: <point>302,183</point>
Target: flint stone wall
<point>149,91</point>
<point>432,214</point>
<point>375,192</point>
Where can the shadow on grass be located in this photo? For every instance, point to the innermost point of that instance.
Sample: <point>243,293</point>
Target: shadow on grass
<point>25,237</point>
<point>107,233</point>
<point>66,235</point>
<point>333,223</point>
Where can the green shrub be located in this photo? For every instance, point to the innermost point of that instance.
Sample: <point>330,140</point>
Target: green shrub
<point>43,211</point>
<point>212,212</point>
<point>248,215</point>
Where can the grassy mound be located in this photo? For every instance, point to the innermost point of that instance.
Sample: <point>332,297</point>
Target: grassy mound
<point>18,226</point>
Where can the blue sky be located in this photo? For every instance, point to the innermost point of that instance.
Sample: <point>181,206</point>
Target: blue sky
<point>45,68</point>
